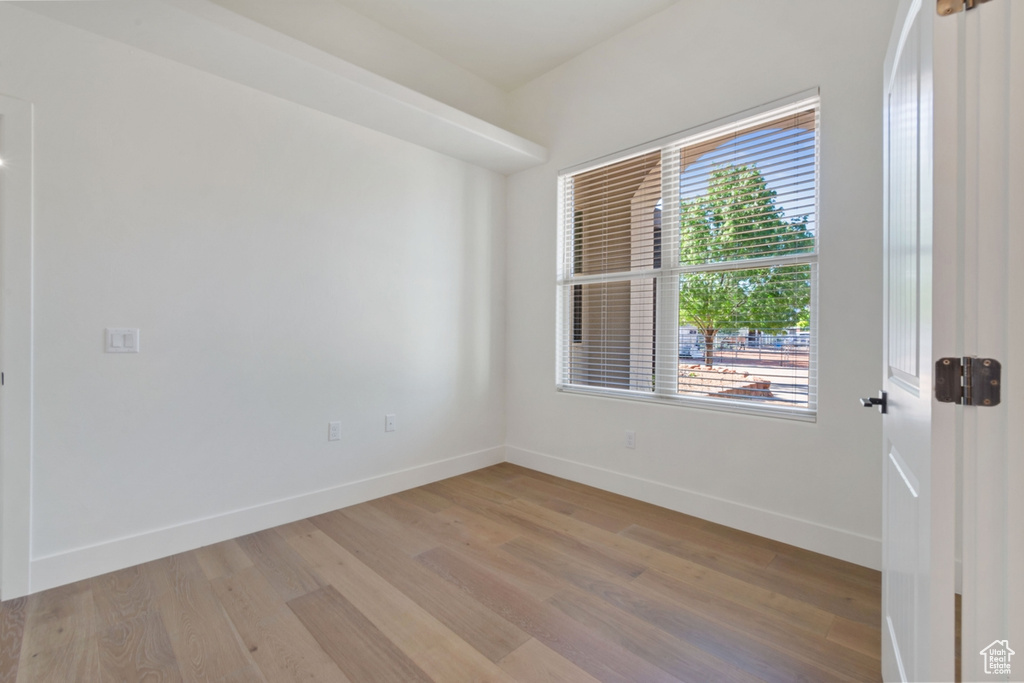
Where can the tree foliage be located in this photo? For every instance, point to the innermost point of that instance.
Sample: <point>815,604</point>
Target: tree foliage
<point>735,220</point>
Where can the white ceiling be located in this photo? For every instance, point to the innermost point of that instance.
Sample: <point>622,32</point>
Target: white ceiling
<point>505,42</point>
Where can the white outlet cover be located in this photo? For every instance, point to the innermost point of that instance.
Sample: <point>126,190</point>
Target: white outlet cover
<point>122,340</point>
<point>333,431</point>
<point>630,438</point>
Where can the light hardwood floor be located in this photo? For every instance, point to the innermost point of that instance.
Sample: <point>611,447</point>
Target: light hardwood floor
<point>504,574</point>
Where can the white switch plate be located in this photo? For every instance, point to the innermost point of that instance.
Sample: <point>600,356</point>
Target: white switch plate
<point>334,431</point>
<point>122,340</point>
<point>630,438</point>
<point>389,422</point>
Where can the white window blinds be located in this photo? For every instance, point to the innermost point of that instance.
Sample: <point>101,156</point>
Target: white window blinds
<point>688,271</point>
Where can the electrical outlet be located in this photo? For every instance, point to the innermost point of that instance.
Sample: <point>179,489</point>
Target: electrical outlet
<point>334,431</point>
<point>630,438</point>
<point>389,422</point>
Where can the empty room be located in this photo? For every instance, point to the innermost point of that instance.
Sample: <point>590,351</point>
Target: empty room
<point>511,340</point>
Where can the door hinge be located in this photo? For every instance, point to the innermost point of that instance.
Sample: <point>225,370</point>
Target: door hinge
<point>947,7</point>
<point>968,381</point>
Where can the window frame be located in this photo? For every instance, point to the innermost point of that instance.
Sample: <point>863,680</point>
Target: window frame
<point>668,272</point>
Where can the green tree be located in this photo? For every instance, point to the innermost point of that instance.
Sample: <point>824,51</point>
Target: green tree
<point>735,220</point>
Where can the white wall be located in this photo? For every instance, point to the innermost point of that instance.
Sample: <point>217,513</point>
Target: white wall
<point>815,485</point>
<point>260,245</point>
<point>285,268</point>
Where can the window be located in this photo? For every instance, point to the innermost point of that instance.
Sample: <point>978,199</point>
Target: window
<point>688,268</point>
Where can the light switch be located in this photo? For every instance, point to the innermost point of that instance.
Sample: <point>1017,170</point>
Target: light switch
<point>122,340</point>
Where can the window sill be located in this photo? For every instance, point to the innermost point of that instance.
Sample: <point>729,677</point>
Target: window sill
<point>717,405</point>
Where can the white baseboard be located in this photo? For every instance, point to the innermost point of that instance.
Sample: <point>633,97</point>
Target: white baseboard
<point>82,563</point>
<point>845,545</point>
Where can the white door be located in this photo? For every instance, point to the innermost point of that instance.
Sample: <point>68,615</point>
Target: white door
<point>954,242</point>
<point>918,534</point>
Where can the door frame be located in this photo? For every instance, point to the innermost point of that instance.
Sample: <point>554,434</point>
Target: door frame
<point>16,344</point>
<point>1015,336</point>
<point>992,480</point>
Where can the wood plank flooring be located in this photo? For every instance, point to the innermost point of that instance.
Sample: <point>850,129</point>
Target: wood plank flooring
<point>504,574</point>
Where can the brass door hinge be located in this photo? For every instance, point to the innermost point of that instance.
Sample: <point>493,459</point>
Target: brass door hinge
<point>968,381</point>
<point>947,7</point>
